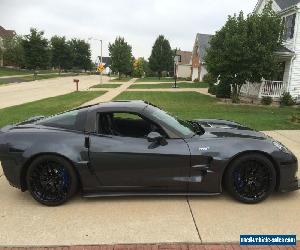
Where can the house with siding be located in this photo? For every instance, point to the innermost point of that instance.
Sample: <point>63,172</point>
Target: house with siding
<point>201,44</point>
<point>184,64</point>
<point>288,78</point>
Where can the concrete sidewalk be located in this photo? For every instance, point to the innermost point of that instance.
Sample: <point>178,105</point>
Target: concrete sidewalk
<point>17,76</point>
<point>112,93</point>
<point>19,93</point>
<point>24,222</point>
<point>203,91</point>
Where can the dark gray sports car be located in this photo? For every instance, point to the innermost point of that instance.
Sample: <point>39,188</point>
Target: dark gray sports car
<point>135,148</point>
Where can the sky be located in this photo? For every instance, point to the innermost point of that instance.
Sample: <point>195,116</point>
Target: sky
<point>138,21</point>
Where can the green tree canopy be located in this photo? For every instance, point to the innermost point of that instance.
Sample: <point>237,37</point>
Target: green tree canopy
<point>13,53</point>
<point>120,53</point>
<point>244,49</point>
<point>161,58</point>
<point>140,67</point>
<point>36,50</point>
<point>81,54</point>
<point>61,55</point>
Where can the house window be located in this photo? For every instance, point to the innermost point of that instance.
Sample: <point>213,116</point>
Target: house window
<point>289,27</point>
<point>179,58</point>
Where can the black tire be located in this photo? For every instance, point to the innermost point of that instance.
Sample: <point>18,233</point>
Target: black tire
<point>250,178</point>
<point>51,180</point>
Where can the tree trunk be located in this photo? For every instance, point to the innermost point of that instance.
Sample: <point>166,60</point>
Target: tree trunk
<point>159,75</point>
<point>236,91</point>
<point>235,94</point>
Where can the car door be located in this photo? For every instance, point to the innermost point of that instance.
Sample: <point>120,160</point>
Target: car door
<point>125,163</point>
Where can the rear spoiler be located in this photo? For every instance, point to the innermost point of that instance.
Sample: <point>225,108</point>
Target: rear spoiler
<point>31,120</point>
<point>27,121</point>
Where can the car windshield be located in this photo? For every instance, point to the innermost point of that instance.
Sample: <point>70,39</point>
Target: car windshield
<point>183,127</point>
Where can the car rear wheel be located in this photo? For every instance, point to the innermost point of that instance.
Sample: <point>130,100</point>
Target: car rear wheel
<point>250,178</point>
<point>51,180</point>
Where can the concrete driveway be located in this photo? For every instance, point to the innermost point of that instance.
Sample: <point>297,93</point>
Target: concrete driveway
<point>146,220</point>
<point>19,93</point>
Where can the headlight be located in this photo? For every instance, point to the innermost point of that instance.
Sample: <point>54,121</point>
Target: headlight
<point>281,147</point>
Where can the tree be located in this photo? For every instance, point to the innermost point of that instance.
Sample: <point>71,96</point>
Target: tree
<point>139,67</point>
<point>36,50</point>
<point>13,53</point>
<point>61,57</point>
<point>243,50</point>
<point>161,58</point>
<point>121,56</point>
<point>81,54</point>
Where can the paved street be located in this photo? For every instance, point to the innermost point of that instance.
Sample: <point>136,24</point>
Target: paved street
<point>146,219</point>
<point>19,93</point>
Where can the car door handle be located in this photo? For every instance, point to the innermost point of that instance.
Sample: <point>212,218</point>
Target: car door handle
<point>87,142</point>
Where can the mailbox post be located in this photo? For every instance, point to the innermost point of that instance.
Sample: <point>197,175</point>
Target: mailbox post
<point>76,81</point>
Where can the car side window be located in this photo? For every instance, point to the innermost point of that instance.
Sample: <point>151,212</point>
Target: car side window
<point>126,125</point>
<point>73,120</point>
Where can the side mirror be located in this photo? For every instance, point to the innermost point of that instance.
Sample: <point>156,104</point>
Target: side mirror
<point>156,139</point>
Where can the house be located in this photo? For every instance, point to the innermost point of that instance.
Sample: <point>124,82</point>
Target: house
<point>106,63</point>
<point>4,34</point>
<point>198,56</point>
<point>288,78</point>
<point>184,64</point>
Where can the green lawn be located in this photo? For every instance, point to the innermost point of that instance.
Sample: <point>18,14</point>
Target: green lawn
<point>169,85</point>
<point>123,79</point>
<point>48,106</point>
<point>155,79</point>
<point>192,105</point>
<point>106,85</point>
<point>11,72</point>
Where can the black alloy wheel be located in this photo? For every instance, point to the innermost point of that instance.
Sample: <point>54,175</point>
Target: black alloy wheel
<point>51,180</point>
<point>251,178</point>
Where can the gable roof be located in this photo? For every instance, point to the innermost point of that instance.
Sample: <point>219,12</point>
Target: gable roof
<point>6,33</point>
<point>203,42</point>
<point>185,56</point>
<point>284,4</point>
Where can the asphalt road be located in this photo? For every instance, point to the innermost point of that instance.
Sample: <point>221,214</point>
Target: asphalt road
<point>146,220</point>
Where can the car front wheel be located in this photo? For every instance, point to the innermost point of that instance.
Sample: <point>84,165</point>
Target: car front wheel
<point>250,178</point>
<point>51,180</point>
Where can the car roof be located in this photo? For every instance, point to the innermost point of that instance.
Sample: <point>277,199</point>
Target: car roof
<point>121,104</point>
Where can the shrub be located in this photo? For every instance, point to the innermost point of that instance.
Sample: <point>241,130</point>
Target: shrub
<point>184,78</point>
<point>286,100</point>
<point>212,89</point>
<point>209,78</point>
<point>295,118</point>
<point>266,100</point>
<point>223,90</point>
<point>196,80</point>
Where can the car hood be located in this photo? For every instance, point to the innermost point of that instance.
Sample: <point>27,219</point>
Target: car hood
<point>224,129</point>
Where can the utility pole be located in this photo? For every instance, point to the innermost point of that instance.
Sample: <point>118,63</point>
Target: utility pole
<point>176,59</point>
<point>101,80</point>
<point>101,61</point>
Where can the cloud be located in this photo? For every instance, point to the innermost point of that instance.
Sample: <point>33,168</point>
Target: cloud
<point>139,21</point>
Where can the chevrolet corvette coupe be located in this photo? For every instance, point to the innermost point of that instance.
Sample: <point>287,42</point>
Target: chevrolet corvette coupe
<point>126,148</point>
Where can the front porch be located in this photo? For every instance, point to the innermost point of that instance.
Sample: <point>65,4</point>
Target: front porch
<point>269,88</point>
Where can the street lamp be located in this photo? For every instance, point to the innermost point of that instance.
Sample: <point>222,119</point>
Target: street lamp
<point>99,40</point>
<point>176,60</point>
